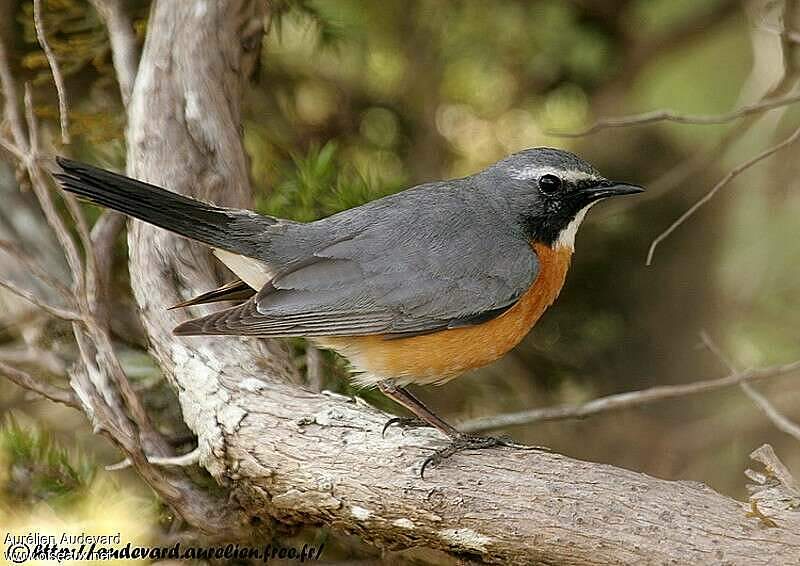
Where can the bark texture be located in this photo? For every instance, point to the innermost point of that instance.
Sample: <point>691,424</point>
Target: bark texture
<point>298,458</point>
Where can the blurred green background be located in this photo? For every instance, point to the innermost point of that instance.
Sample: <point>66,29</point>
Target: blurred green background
<point>354,100</point>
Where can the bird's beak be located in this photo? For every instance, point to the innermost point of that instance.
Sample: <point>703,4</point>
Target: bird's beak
<point>607,189</point>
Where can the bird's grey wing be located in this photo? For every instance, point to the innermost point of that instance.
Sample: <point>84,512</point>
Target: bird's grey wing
<point>396,279</point>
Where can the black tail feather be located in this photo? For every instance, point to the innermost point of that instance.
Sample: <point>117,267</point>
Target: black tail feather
<point>228,229</point>
<point>236,290</point>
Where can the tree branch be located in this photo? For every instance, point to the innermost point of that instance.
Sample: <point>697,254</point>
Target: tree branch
<point>779,420</point>
<point>627,400</point>
<point>732,174</point>
<point>58,79</point>
<point>52,392</point>
<point>666,115</point>
<point>34,299</point>
<point>124,50</point>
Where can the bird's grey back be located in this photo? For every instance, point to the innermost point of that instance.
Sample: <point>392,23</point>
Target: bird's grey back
<point>428,257</point>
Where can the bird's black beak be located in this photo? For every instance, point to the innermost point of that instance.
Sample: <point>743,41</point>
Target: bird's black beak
<point>607,189</point>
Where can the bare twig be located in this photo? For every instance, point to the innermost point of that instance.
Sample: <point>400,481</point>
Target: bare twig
<point>11,148</point>
<point>42,193</point>
<point>35,269</point>
<point>11,110</point>
<point>31,297</point>
<point>61,89</point>
<point>31,355</point>
<point>735,172</point>
<point>780,421</point>
<point>626,400</point>
<point>124,50</point>
<point>104,238</point>
<point>27,381</point>
<point>712,347</point>
<point>667,115</point>
<point>188,459</point>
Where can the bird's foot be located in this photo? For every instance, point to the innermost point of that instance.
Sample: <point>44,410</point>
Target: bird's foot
<point>404,422</point>
<point>470,442</point>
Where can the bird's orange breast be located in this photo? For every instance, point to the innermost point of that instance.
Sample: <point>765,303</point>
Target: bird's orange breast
<point>441,356</point>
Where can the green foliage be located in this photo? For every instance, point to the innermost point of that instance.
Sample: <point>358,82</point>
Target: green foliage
<point>35,467</point>
<point>330,31</point>
<point>75,33</point>
<point>316,184</point>
<point>79,40</point>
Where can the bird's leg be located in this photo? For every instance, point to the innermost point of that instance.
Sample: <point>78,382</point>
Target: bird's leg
<point>459,441</point>
<point>424,416</point>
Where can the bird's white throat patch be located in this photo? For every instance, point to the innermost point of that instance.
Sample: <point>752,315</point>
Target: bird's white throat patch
<point>566,239</point>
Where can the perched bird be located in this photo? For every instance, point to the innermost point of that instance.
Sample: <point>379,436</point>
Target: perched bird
<point>413,288</point>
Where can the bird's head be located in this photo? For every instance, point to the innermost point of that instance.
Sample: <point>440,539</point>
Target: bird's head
<point>549,192</point>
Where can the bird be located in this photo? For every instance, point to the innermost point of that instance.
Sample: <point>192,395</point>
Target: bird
<point>417,287</point>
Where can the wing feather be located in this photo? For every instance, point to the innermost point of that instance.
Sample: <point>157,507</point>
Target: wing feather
<point>439,259</point>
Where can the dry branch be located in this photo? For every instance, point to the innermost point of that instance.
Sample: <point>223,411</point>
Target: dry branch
<point>666,115</point>
<point>48,390</point>
<point>781,422</point>
<point>627,400</point>
<point>124,51</point>
<point>35,299</point>
<point>732,174</point>
<point>55,70</point>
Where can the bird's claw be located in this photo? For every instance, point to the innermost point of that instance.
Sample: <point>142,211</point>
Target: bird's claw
<point>403,422</point>
<point>470,442</point>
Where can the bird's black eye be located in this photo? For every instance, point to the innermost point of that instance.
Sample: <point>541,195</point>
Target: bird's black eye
<point>549,184</point>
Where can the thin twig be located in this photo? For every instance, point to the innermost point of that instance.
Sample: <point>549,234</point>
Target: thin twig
<point>30,355</point>
<point>104,238</point>
<point>667,115</point>
<point>626,400</point>
<point>33,298</point>
<point>735,172</point>
<point>11,110</point>
<point>11,148</point>
<point>27,381</point>
<point>780,421</point>
<point>712,347</point>
<point>35,269</point>
<point>124,49</point>
<point>188,459</point>
<point>61,89</point>
<point>42,193</point>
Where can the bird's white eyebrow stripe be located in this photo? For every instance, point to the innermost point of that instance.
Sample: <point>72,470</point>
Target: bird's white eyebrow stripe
<point>532,171</point>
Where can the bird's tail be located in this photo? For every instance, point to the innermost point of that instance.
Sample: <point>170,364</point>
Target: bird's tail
<point>238,231</point>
